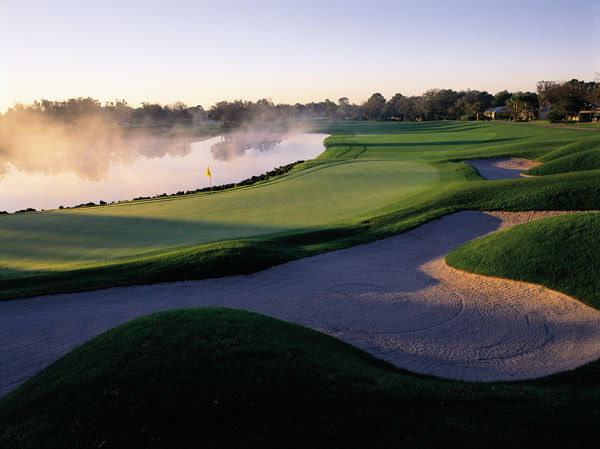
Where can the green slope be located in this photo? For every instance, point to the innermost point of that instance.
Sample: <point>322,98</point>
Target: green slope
<point>223,378</point>
<point>562,253</point>
<point>568,149</point>
<point>582,160</point>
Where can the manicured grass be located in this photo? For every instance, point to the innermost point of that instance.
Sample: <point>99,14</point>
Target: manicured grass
<point>373,180</point>
<point>562,253</point>
<point>568,149</point>
<point>587,125</point>
<point>222,378</point>
<point>583,160</point>
<point>570,125</point>
<point>318,196</point>
<point>574,191</point>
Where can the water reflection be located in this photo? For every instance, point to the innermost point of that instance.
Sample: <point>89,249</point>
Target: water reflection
<point>50,169</point>
<point>235,145</point>
<point>85,153</point>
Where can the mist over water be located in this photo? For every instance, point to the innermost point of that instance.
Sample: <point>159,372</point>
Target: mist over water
<point>48,167</point>
<point>232,146</point>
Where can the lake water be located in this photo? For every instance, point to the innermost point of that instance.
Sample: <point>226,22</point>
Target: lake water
<point>64,174</point>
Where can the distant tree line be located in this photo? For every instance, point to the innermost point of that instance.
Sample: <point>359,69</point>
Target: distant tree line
<point>117,112</point>
<point>564,99</point>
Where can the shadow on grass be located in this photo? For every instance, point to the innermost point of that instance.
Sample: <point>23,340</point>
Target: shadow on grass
<point>240,256</point>
<point>576,191</point>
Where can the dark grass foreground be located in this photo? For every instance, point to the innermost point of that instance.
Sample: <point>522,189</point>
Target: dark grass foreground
<point>561,253</point>
<point>215,377</point>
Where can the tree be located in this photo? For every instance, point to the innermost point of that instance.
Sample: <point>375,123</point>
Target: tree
<point>199,115</point>
<point>568,106</point>
<point>149,114</point>
<point>331,109</point>
<point>522,105</point>
<point>477,109</point>
<point>594,94</point>
<point>178,113</point>
<point>437,102</point>
<point>284,111</point>
<point>391,110</point>
<point>263,109</point>
<point>343,108</point>
<point>472,102</point>
<point>546,91</point>
<point>119,111</point>
<point>567,98</point>
<point>230,114</point>
<point>407,108</point>
<point>301,111</point>
<point>373,106</point>
<point>315,110</point>
<point>531,102</point>
<point>500,98</point>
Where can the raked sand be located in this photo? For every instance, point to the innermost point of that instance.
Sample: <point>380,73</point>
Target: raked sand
<point>502,168</point>
<point>395,298</point>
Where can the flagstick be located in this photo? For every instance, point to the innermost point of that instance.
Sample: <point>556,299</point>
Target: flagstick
<point>209,174</point>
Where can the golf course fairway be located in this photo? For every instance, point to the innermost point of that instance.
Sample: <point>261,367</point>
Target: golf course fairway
<point>235,376</point>
<point>374,179</point>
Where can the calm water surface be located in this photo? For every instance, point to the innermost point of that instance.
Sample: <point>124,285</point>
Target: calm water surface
<point>67,177</point>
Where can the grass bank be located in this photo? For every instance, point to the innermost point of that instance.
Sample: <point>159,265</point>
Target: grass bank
<point>561,253</point>
<point>222,378</point>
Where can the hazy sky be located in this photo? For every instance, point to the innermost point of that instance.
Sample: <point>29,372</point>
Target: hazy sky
<point>291,51</point>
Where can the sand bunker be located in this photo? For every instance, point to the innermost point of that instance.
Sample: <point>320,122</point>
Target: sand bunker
<point>395,298</point>
<point>502,168</point>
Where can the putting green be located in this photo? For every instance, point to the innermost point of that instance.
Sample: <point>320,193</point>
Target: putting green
<point>316,197</point>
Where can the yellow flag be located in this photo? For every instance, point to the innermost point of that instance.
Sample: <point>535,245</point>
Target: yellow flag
<point>208,172</point>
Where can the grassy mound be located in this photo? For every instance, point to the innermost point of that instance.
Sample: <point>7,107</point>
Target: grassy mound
<point>562,253</point>
<point>568,149</point>
<point>188,372</point>
<point>223,378</point>
<point>582,160</point>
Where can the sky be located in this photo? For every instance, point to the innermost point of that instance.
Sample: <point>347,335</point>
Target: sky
<point>201,52</point>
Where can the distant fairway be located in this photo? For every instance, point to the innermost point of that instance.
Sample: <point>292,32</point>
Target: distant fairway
<point>375,179</point>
